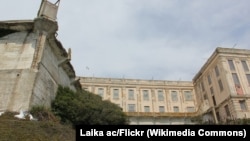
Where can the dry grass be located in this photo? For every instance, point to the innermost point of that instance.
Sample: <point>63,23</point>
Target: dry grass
<point>13,129</point>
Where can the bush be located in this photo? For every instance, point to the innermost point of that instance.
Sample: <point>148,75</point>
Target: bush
<point>83,107</point>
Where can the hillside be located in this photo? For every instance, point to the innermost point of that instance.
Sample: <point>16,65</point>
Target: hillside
<point>14,129</point>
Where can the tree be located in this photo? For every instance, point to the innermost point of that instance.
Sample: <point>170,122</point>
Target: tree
<point>86,108</point>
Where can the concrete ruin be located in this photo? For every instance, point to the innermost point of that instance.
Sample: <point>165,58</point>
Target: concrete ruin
<point>33,63</point>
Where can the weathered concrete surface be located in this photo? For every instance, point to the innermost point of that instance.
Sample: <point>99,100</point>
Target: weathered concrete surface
<point>32,64</point>
<point>15,89</point>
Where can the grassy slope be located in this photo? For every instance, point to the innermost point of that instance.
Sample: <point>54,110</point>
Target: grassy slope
<point>13,129</point>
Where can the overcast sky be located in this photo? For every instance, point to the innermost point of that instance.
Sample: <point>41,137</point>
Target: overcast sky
<point>143,39</point>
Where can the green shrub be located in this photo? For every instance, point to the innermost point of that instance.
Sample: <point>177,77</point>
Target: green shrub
<point>83,107</point>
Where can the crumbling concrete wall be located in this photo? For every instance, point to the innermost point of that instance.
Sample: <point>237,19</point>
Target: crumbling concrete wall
<point>49,76</point>
<point>33,63</point>
<point>16,78</point>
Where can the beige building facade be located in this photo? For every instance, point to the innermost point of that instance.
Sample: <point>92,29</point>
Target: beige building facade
<point>222,86</point>
<point>33,63</point>
<point>147,101</point>
<point>219,92</point>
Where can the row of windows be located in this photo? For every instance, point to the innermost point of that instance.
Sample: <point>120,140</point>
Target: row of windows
<point>243,63</point>
<point>146,97</point>
<point>131,108</point>
<point>209,80</point>
<point>234,76</point>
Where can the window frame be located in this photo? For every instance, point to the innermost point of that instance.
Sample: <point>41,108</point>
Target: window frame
<point>116,94</point>
<point>174,96</point>
<point>131,96</point>
<point>160,95</point>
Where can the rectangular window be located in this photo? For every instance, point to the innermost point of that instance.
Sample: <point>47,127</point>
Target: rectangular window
<point>205,96</point>
<point>220,85</point>
<point>227,111</point>
<point>174,95</point>
<point>188,95</point>
<point>131,107</point>
<point>160,95</point>
<point>231,65</point>
<point>100,92</point>
<point>115,93</point>
<point>190,109</point>
<point>202,86</point>
<point>209,79</point>
<point>146,109</point>
<point>214,100</point>
<point>212,90</point>
<point>236,79</point>
<point>248,78</point>
<point>131,94</point>
<point>161,109</point>
<point>243,105</point>
<point>237,84</point>
<point>176,109</point>
<point>145,95</point>
<point>216,69</point>
<point>244,64</point>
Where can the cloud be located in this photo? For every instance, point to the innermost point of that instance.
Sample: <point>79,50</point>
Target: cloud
<point>144,39</point>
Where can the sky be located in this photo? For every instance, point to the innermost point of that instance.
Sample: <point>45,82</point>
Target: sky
<point>142,39</point>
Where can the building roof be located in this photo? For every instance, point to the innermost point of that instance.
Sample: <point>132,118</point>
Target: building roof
<point>218,51</point>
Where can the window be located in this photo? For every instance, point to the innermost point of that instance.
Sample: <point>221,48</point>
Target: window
<point>145,95</point>
<point>220,85</point>
<point>227,111</point>
<point>100,92</point>
<point>160,95</point>
<point>190,109</point>
<point>248,78</point>
<point>174,96</point>
<point>236,79</point>
<point>243,105</point>
<point>244,64</point>
<point>146,109</point>
<point>237,84</point>
<point>214,101</point>
<point>188,95</point>
<point>176,109</point>
<point>202,86</point>
<point>205,96</point>
<point>212,90</point>
<point>115,94</point>
<point>131,107</point>
<point>131,94</point>
<point>217,71</point>
<point>161,109</point>
<point>209,79</point>
<point>231,65</point>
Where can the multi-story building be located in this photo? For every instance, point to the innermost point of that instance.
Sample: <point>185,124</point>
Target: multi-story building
<point>222,85</point>
<point>33,63</point>
<point>218,92</point>
<point>147,101</point>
